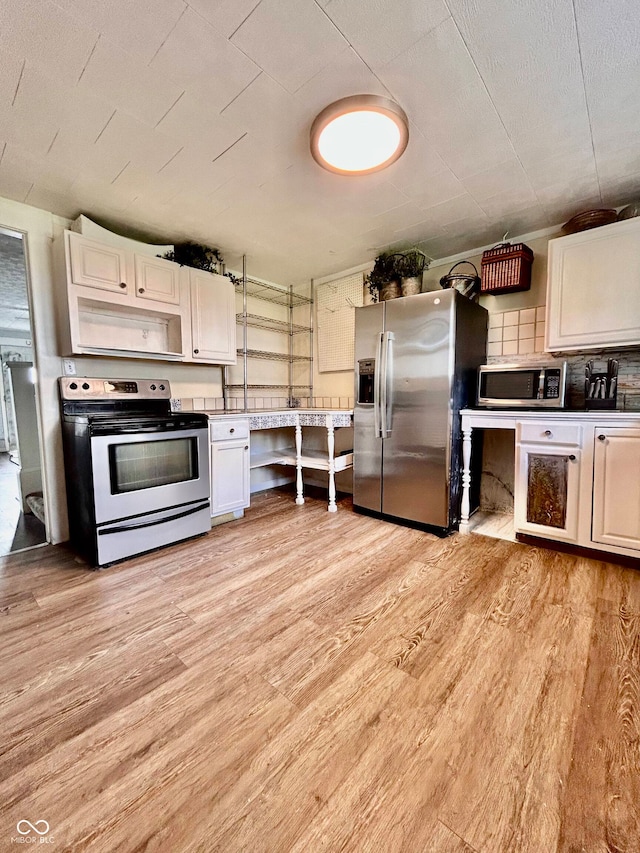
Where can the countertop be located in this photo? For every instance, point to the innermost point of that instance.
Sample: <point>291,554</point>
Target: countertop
<point>509,416</point>
<point>275,418</point>
<point>217,413</point>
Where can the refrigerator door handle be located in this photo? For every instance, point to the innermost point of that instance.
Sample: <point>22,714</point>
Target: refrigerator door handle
<point>385,380</point>
<point>377,428</point>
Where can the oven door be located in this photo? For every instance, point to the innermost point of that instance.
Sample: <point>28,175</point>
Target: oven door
<point>137,473</point>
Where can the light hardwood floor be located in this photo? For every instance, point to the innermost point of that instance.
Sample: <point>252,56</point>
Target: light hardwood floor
<point>301,681</point>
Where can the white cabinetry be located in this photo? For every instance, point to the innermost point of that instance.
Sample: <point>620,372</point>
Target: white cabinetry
<point>547,479</point>
<point>230,489</point>
<point>157,279</point>
<point>121,302</point>
<point>593,288</point>
<point>616,487</point>
<point>577,477</point>
<point>213,320</point>
<point>93,264</point>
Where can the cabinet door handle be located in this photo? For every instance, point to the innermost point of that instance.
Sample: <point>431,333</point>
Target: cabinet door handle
<point>548,433</point>
<point>196,351</point>
<point>246,447</point>
<point>141,290</point>
<point>602,438</point>
<point>123,285</point>
<point>232,429</point>
<point>572,457</point>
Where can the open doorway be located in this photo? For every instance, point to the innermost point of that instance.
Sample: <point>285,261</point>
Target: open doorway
<point>22,518</point>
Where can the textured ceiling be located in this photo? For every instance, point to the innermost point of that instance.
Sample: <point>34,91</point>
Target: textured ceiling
<point>173,120</point>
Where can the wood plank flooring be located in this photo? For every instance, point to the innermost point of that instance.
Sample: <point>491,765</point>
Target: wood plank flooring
<point>302,681</point>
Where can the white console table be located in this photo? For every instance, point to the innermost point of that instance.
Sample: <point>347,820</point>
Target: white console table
<point>297,456</point>
<point>319,461</point>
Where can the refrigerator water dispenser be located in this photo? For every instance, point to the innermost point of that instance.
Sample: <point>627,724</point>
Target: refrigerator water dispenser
<point>366,374</point>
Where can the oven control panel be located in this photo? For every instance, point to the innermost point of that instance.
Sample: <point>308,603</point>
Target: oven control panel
<point>84,388</point>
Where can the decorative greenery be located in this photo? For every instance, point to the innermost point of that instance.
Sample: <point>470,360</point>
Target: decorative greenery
<point>413,264</point>
<point>196,256</point>
<point>234,278</point>
<point>374,290</point>
<point>394,266</point>
<point>200,258</point>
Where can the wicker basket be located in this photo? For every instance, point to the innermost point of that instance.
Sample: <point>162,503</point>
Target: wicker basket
<point>506,268</point>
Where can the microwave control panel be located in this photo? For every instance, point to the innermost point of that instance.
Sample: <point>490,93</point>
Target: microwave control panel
<point>552,384</point>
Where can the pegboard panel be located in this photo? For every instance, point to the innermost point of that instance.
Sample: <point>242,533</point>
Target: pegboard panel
<point>336,302</point>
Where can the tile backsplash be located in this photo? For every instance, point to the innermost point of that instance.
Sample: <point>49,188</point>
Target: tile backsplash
<point>516,332</point>
<point>217,403</point>
<point>519,336</point>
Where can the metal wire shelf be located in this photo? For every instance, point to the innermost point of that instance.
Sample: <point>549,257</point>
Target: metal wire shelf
<point>258,322</point>
<point>285,298</point>
<point>262,387</point>
<point>271,293</point>
<point>273,356</point>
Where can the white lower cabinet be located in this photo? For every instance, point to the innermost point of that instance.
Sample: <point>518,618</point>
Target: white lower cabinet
<point>230,469</point>
<point>616,487</point>
<point>577,476</point>
<point>547,480</point>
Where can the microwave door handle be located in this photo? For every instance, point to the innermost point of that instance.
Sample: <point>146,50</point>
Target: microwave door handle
<point>540,395</point>
<point>377,427</point>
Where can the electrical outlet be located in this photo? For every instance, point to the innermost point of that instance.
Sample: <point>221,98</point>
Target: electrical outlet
<point>69,366</point>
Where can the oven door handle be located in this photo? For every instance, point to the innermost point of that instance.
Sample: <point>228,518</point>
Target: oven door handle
<point>124,528</point>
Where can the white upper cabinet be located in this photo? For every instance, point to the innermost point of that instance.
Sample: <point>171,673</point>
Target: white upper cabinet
<point>97,265</point>
<point>593,288</point>
<point>157,279</point>
<point>213,318</point>
<point>135,305</point>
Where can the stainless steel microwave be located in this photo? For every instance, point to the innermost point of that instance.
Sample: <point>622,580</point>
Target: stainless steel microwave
<point>522,386</point>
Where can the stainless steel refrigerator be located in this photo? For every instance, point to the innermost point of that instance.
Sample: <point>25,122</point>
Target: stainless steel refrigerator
<point>415,368</point>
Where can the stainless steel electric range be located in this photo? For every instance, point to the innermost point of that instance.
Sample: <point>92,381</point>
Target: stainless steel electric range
<point>137,474</point>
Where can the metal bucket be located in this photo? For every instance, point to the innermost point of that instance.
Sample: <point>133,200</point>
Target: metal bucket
<point>411,285</point>
<point>465,283</point>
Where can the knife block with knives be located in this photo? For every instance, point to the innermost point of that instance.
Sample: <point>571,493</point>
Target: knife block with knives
<point>601,389</point>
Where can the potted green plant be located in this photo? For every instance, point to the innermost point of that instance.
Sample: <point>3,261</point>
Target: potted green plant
<point>384,278</point>
<point>412,266</point>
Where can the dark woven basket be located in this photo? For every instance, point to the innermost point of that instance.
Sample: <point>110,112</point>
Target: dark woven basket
<point>506,268</point>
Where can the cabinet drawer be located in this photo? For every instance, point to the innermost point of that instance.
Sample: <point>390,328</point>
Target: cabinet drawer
<point>223,429</point>
<point>547,432</point>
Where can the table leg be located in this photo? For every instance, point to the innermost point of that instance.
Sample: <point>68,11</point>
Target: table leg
<point>465,506</point>
<point>332,466</point>
<point>299,494</point>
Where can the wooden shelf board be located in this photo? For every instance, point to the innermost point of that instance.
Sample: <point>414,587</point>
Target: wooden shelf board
<point>279,456</point>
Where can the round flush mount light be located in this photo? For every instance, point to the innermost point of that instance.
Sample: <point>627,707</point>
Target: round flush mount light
<point>359,135</point>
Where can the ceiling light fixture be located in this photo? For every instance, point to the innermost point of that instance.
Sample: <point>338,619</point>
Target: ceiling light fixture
<point>359,135</point>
